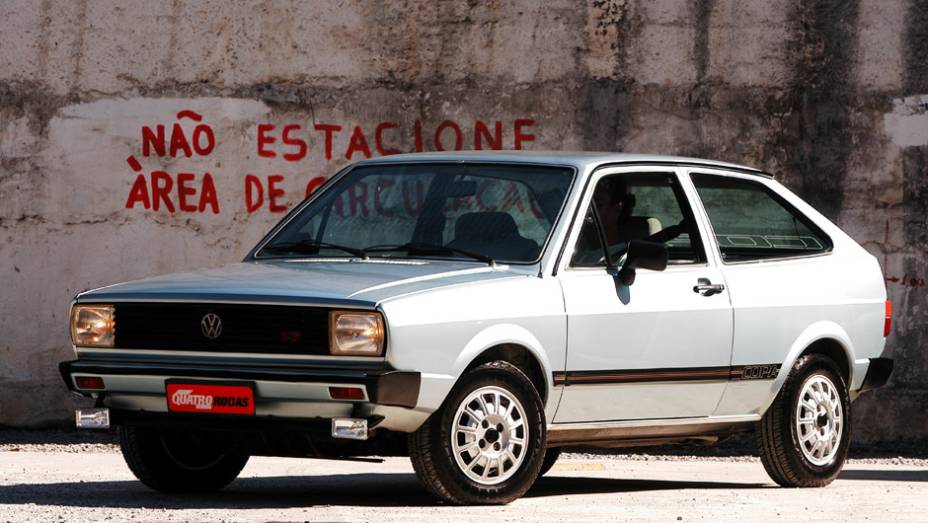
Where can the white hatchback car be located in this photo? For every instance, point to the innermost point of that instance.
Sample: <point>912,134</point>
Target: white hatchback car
<point>480,311</point>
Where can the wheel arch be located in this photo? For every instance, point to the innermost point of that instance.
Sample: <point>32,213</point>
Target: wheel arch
<point>510,343</point>
<point>823,337</point>
<point>521,357</point>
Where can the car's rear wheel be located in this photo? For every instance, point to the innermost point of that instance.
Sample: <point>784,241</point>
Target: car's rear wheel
<point>179,461</point>
<point>804,436</point>
<point>486,444</point>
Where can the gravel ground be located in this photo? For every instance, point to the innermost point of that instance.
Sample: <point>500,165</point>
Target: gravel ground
<point>97,486</point>
<point>736,449</point>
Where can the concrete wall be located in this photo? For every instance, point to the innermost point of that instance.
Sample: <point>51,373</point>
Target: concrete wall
<point>831,96</point>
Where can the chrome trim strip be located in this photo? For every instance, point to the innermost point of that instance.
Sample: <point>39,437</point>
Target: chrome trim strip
<point>652,422</point>
<point>779,258</point>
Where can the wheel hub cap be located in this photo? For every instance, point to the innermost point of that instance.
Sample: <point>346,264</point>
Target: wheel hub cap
<point>819,420</point>
<point>489,435</point>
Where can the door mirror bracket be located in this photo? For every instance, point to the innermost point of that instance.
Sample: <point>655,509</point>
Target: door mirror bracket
<point>642,255</point>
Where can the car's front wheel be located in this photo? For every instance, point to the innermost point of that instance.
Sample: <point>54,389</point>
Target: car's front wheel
<point>805,434</point>
<point>551,456</point>
<point>487,442</point>
<point>179,461</point>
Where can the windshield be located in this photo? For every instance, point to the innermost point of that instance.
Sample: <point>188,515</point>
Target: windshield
<point>480,212</point>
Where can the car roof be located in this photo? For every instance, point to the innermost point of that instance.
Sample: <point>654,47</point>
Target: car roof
<point>579,159</point>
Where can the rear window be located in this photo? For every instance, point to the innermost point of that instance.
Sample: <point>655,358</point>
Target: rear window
<point>752,222</point>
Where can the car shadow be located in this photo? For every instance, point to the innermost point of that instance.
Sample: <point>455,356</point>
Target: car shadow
<point>566,485</point>
<point>884,475</point>
<point>383,490</point>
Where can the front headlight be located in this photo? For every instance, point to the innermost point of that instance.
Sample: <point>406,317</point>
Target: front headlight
<point>93,325</point>
<point>355,333</point>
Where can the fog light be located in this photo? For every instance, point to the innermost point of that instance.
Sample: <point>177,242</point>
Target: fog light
<point>349,428</point>
<point>89,382</point>
<point>346,393</point>
<point>92,418</point>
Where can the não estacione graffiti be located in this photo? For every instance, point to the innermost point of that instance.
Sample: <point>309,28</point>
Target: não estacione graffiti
<point>189,192</point>
<point>295,139</point>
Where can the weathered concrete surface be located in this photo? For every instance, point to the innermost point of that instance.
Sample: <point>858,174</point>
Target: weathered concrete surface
<point>37,486</point>
<point>829,95</point>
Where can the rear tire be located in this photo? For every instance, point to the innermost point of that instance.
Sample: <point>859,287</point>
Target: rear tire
<point>179,461</point>
<point>804,436</point>
<point>486,443</point>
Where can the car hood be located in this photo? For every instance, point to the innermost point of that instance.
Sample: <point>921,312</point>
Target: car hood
<point>334,282</point>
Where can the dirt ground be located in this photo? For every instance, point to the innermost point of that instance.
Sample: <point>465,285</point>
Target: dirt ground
<point>54,481</point>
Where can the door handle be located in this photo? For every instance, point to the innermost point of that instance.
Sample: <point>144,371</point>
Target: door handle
<point>705,287</point>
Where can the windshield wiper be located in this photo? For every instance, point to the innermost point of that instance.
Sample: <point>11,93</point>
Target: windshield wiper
<point>421,246</point>
<point>312,247</point>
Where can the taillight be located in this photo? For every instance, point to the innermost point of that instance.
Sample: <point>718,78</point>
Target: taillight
<point>346,393</point>
<point>89,383</point>
<point>887,323</point>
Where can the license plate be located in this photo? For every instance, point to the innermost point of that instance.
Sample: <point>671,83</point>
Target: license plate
<point>210,398</point>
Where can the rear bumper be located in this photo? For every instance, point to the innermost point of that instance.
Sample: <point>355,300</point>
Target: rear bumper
<point>276,385</point>
<point>878,373</point>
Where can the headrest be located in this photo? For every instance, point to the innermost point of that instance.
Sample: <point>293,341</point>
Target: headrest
<point>487,226</point>
<point>638,227</point>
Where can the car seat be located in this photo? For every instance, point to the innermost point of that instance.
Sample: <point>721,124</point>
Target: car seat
<point>494,234</point>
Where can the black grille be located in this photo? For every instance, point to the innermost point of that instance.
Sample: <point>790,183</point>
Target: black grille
<point>275,329</point>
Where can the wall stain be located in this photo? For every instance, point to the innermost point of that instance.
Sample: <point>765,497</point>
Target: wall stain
<point>915,41</point>
<point>77,52</point>
<point>168,63</point>
<point>910,336</point>
<point>699,99</point>
<point>604,112</point>
<point>819,101</point>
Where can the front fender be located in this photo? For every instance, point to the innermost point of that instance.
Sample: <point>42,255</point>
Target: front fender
<point>500,334</point>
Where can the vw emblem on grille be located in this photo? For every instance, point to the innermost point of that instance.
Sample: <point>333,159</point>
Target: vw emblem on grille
<point>211,325</point>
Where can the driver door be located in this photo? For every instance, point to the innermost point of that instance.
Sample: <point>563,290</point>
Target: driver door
<point>659,348</point>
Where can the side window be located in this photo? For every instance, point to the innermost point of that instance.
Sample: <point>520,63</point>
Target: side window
<point>648,207</point>
<point>752,222</point>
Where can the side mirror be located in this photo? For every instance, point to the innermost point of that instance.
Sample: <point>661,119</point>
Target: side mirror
<point>642,255</point>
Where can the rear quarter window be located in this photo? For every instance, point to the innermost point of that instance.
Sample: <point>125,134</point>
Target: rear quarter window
<point>752,222</point>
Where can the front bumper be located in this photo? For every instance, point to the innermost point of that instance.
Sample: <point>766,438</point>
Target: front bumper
<point>281,390</point>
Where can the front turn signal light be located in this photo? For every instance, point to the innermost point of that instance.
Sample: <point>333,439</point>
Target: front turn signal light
<point>354,333</point>
<point>93,325</point>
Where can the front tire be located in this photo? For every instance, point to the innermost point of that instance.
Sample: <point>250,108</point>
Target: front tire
<point>486,443</point>
<point>551,456</point>
<point>805,434</point>
<point>179,461</point>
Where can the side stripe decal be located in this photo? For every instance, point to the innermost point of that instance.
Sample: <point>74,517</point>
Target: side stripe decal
<point>740,372</point>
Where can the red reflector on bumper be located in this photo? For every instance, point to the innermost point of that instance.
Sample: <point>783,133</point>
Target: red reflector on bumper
<point>888,323</point>
<point>346,393</point>
<point>89,382</point>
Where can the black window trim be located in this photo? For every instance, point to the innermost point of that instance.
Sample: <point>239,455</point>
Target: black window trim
<point>808,222</point>
<point>602,243</point>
